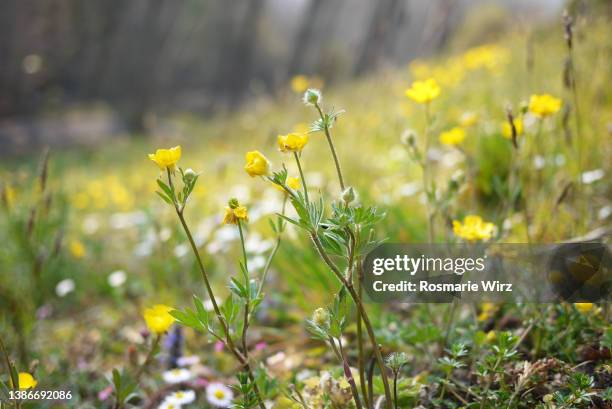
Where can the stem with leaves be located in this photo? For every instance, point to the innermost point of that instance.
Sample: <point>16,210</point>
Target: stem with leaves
<point>242,359</point>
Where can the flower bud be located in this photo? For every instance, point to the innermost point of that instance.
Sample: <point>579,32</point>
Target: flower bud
<point>349,195</point>
<point>408,137</point>
<point>320,317</point>
<point>189,175</point>
<point>312,96</point>
<point>233,203</point>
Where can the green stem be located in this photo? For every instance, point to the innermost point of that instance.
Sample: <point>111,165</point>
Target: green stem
<point>244,253</point>
<point>349,375</point>
<point>361,359</point>
<point>426,177</point>
<point>299,165</point>
<point>228,339</point>
<point>362,312</point>
<point>331,147</point>
<point>148,359</point>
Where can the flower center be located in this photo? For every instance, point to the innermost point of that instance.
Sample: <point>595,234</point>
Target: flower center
<point>219,394</point>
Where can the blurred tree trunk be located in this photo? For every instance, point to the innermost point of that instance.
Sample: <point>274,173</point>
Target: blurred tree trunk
<point>381,29</point>
<point>439,25</point>
<point>304,37</point>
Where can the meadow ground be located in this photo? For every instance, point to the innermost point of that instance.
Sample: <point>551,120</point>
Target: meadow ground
<point>89,245</point>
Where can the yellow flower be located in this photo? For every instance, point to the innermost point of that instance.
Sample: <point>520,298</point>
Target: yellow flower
<point>507,130</point>
<point>452,137</point>
<point>299,84</point>
<point>158,318</point>
<point>468,119</point>
<point>487,310</point>
<point>293,183</point>
<point>544,105</point>
<point>584,307</point>
<point>491,336</point>
<point>473,228</point>
<point>77,249</point>
<point>166,158</point>
<point>26,381</point>
<point>292,142</point>
<point>234,212</point>
<point>423,92</point>
<point>256,164</point>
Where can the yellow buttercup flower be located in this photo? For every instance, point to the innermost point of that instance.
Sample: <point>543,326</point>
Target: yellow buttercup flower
<point>26,381</point>
<point>452,137</point>
<point>158,318</point>
<point>166,158</point>
<point>473,228</point>
<point>234,212</point>
<point>256,164</point>
<point>491,336</point>
<point>487,310</point>
<point>507,130</point>
<point>293,183</point>
<point>77,249</point>
<point>299,83</point>
<point>584,307</point>
<point>292,142</point>
<point>544,105</point>
<point>424,92</point>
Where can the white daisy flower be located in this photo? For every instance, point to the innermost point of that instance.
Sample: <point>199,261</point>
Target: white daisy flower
<point>181,397</point>
<point>188,360</point>
<point>168,405</point>
<point>176,375</point>
<point>64,287</point>
<point>117,278</point>
<point>219,395</point>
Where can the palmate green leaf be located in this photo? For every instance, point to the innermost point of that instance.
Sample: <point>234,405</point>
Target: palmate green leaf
<point>188,318</point>
<point>333,243</point>
<point>230,310</point>
<point>238,288</point>
<point>316,331</point>
<point>202,315</point>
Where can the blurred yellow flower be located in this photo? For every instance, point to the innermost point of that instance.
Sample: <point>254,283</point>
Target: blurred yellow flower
<point>77,249</point>
<point>234,212</point>
<point>26,381</point>
<point>491,336</point>
<point>158,318</point>
<point>299,83</point>
<point>507,130</point>
<point>293,183</point>
<point>166,158</point>
<point>256,164</point>
<point>487,310</point>
<point>584,307</point>
<point>468,119</point>
<point>423,92</point>
<point>452,137</point>
<point>292,142</point>
<point>9,195</point>
<point>544,105</point>
<point>473,228</point>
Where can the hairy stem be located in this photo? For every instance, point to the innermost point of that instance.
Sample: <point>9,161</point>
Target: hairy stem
<point>331,146</point>
<point>299,165</point>
<point>228,339</point>
<point>362,312</point>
